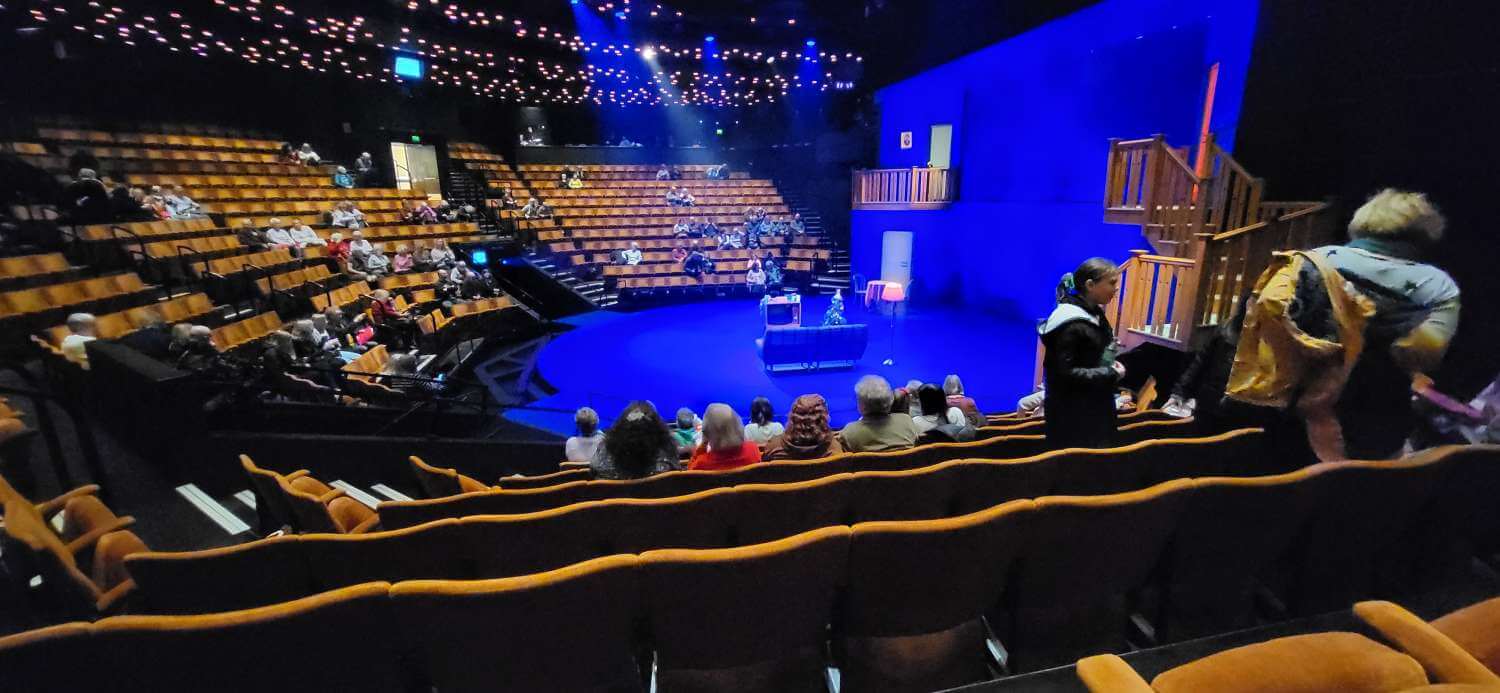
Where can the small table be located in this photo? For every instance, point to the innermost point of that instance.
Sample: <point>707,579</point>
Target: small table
<point>780,306</point>
<point>873,291</point>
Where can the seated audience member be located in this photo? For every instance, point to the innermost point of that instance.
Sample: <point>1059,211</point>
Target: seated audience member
<point>400,373</point>
<point>441,255</point>
<point>953,388</point>
<point>342,178</point>
<point>686,198</point>
<point>336,324</point>
<point>807,435</point>
<point>182,334</point>
<point>796,224</point>
<point>580,448</point>
<point>200,353</point>
<point>1031,406</point>
<point>82,330</point>
<point>303,235</point>
<point>708,228</point>
<point>154,338</point>
<point>358,245</point>
<point>129,204</point>
<point>307,157</point>
<point>403,261</point>
<point>278,236</point>
<point>731,240</point>
<point>364,170</point>
<point>251,237</point>
<point>724,445</point>
<point>697,263</point>
<point>638,445</point>
<point>877,428</point>
<point>719,172</point>
<point>632,255</point>
<point>672,198</point>
<point>338,248</point>
<point>278,357</point>
<point>936,411</point>
<point>673,172</point>
<point>156,205</point>
<point>534,209</point>
<point>459,272</point>
<point>346,216</point>
<point>901,401</point>
<point>679,253</point>
<point>755,276</point>
<point>686,431</point>
<point>376,263</point>
<point>85,201</point>
<point>772,268</point>
<point>180,206</point>
<point>507,200</point>
<point>664,173</point>
<point>289,154</point>
<point>763,425</point>
<point>421,257</point>
<point>682,229</point>
<point>391,326</point>
<point>914,406</point>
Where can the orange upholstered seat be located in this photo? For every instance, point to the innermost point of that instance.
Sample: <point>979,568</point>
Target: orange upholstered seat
<point>263,572</point>
<point>439,482</point>
<point>1461,647</point>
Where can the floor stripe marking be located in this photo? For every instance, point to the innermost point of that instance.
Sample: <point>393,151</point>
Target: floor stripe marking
<point>210,507</point>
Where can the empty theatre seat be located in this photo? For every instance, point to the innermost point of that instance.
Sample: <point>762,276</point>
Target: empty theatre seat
<point>318,508</point>
<point>918,494</point>
<point>438,550</point>
<point>906,628</point>
<point>542,480</point>
<point>259,573</point>
<point>32,547</point>
<point>767,512</point>
<point>439,482</point>
<point>471,636</point>
<point>1344,662</point>
<point>769,636</point>
<point>1463,646</point>
<point>1084,557</point>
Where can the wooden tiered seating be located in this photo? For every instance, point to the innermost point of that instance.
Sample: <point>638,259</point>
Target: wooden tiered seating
<point>342,297</point>
<point>145,229</point>
<point>295,279</point>
<point>238,334</point>
<point>189,308</point>
<point>409,281</point>
<point>80,295</point>
<point>233,265</point>
<point>24,270</point>
<point>481,306</point>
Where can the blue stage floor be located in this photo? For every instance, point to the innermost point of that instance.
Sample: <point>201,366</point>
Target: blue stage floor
<point>696,354</point>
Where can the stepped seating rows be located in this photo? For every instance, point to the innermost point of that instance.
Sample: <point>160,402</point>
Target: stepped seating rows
<point>98,294</point>
<point>318,219</point>
<point>299,501</point>
<point>572,205</point>
<point>241,333</point>
<point>157,140</point>
<point>658,190</point>
<point>295,279</point>
<point>266,260</point>
<point>341,297</point>
<point>472,151</point>
<point>507,500</point>
<point>663,210</point>
<point>672,269</point>
<point>705,616</point>
<point>129,153</point>
<point>481,306</point>
<point>29,270</point>
<point>176,227</point>
<point>410,280</point>
<point>189,308</point>
<point>247,194</point>
<point>201,176</point>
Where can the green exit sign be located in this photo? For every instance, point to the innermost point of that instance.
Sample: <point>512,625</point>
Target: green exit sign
<point>416,139</point>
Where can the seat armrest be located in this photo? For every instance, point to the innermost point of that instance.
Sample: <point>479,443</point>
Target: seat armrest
<point>87,540</point>
<point>114,599</point>
<point>57,503</point>
<point>1438,654</point>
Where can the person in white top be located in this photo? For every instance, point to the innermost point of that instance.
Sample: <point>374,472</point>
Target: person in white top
<point>303,235</point>
<point>763,425</point>
<point>441,255</point>
<point>633,256</point>
<point>82,326</point>
<point>346,215</point>
<point>358,246</point>
<point>580,448</point>
<point>277,235</point>
<point>307,156</point>
<point>935,410</point>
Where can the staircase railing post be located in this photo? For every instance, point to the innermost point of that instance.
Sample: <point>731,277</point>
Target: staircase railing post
<point>1112,193</point>
<point>1155,156</point>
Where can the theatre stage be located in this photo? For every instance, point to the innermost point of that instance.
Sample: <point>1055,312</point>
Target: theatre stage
<point>699,353</point>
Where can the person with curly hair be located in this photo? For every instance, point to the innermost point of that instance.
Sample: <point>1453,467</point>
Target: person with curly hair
<point>638,445</point>
<point>807,435</point>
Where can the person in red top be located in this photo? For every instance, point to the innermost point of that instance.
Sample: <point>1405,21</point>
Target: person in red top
<point>338,248</point>
<point>724,445</point>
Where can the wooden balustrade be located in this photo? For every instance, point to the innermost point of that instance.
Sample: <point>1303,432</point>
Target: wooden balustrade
<point>1234,260</point>
<point>1156,300</point>
<point>1233,194</point>
<point>903,188</point>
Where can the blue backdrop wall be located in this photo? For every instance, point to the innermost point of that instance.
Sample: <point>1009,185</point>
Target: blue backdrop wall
<point>1031,117</point>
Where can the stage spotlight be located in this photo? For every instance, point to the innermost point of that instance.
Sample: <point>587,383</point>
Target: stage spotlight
<point>620,15</point>
<point>649,53</point>
<point>709,38</point>
<point>811,43</point>
<point>574,2</point>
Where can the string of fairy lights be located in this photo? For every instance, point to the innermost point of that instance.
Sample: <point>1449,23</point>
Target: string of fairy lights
<point>278,36</point>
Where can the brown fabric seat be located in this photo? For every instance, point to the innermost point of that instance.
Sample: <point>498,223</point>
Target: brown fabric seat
<point>471,636</point>
<point>1084,557</point>
<point>912,613</point>
<point>984,484</point>
<point>768,636</point>
<point>269,648</point>
<point>75,587</point>
<point>919,494</point>
<point>439,482</point>
<point>1344,662</point>
<point>767,512</point>
<point>1476,629</point>
<point>249,575</point>
<point>432,551</point>
<point>1461,521</point>
<point>1461,647</point>
<point>271,508</point>
<point>544,480</point>
<point>48,660</point>
<point>1230,531</point>
<point>318,508</point>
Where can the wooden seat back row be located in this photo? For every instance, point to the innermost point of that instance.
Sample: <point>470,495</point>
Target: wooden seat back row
<point>710,614</point>
<point>157,140</point>
<point>341,297</point>
<point>70,295</point>
<point>297,278</point>
<point>25,266</point>
<point>243,332</point>
<point>115,325</point>
<point>106,232</point>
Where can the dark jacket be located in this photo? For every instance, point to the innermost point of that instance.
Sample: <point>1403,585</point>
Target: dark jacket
<point>154,341</point>
<point>1077,367</point>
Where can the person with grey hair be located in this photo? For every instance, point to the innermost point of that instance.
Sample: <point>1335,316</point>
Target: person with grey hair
<point>580,448</point>
<point>82,328</point>
<point>953,388</point>
<point>912,407</point>
<point>877,428</point>
<point>1416,314</point>
<point>364,169</point>
<point>724,444</point>
<point>85,200</point>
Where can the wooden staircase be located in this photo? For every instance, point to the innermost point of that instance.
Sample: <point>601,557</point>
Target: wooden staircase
<point>1211,236</point>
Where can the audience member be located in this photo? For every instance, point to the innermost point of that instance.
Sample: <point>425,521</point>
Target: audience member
<point>901,402</point>
<point>638,445</point>
<point>763,425</point>
<point>1199,390</point>
<point>251,237</point>
<point>200,353</point>
<point>877,428</point>
<point>180,206</point>
<point>697,263</point>
<point>534,209</point>
<point>307,157</point>
<point>664,173</point>
<point>724,445</point>
<point>364,170</point>
<point>85,200</point>
<point>342,178</point>
<point>403,261</point>
<point>375,263</point>
<point>278,236</point>
<point>580,448</point>
<point>935,410</point>
<point>1079,366</point>
<point>391,327</point>
<point>755,276</point>
<point>400,373</point>
<point>632,255</point>
<point>719,172</point>
<point>914,408</point>
<point>289,154</point>
<point>772,269</point>
<point>441,256</point>
<point>807,435</point>
<point>1032,405</point>
<point>686,431</point>
<point>796,224</point>
<point>338,248</point>
<point>358,246</point>
<point>81,330</point>
<point>345,215</point>
<point>303,236</point>
<point>420,213</point>
<point>953,388</point>
<point>507,200</point>
<point>181,335</point>
<point>683,229</point>
<point>156,205</point>
<point>679,253</point>
<point>835,313</point>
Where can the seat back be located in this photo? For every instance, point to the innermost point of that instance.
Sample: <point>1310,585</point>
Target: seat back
<point>1083,555</point>
<point>768,512</point>
<point>918,494</point>
<point>397,514</point>
<point>436,482</point>
<point>770,636</point>
<point>432,551</point>
<point>249,575</point>
<point>465,641</point>
<point>917,592</point>
<point>48,660</point>
<point>544,480</point>
<point>307,507</point>
<point>261,649</point>
<point>269,503</point>
<point>45,554</point>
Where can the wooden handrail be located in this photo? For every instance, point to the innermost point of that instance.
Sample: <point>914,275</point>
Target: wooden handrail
<point>903,188</point>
